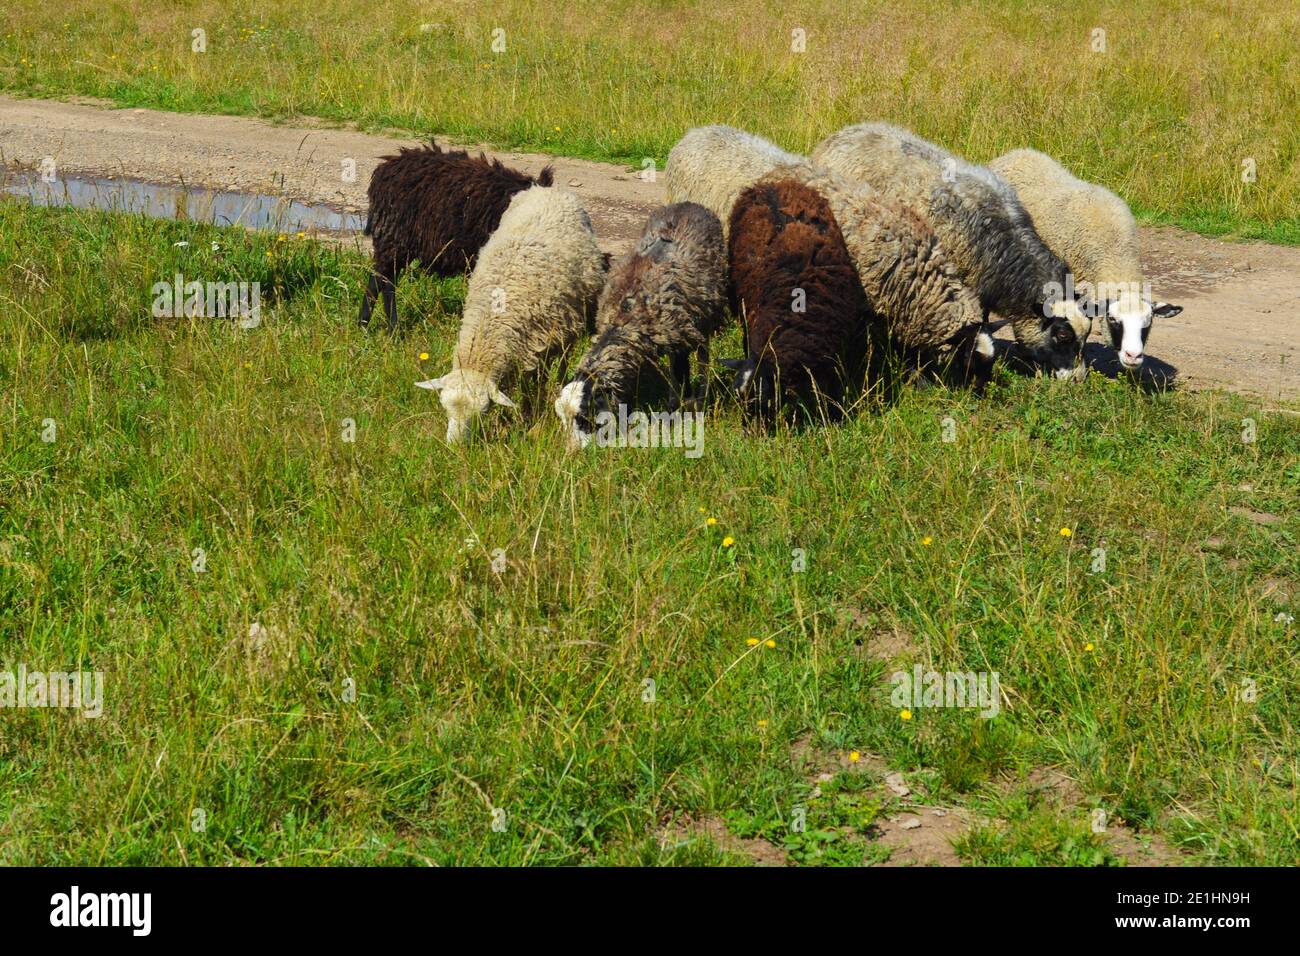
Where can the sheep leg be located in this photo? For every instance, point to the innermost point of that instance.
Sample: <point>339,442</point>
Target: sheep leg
<point>368,300</point>
<point>389,290</point>
<point>681,372</point>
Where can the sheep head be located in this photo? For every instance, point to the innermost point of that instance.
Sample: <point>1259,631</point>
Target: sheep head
<point>1128,320</point>
<point>465,395</point>
<point>573,408</point>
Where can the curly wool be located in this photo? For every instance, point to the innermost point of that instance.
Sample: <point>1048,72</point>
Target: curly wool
<point>785,241</point>
<point>666,297</point>
<point>532,294</point>
<point>981,224</point>
<point>713,165</point>
<point>436,207</point>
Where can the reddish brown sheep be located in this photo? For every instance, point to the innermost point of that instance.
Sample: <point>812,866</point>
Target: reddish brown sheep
<point>807,318</point>
<point>436,207</point>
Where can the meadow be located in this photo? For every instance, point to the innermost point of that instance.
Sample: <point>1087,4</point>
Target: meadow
<point>1187,110</point>
<point>327,637</point>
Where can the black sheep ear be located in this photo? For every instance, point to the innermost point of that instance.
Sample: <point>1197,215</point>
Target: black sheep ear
<point>1165,310</point>
<point>546,177</point>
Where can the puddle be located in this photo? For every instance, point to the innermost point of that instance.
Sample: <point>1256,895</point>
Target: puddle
<point>250,210</point>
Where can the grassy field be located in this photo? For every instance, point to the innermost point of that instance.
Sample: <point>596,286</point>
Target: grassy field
<point>349,680</point>
<point>1181,97</point>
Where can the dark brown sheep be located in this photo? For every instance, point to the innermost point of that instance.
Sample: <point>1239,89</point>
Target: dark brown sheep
<point>436,207</point>
<point>807,319</point>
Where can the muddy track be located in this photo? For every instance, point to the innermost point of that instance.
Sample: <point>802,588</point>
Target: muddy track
<point>1238,331</point>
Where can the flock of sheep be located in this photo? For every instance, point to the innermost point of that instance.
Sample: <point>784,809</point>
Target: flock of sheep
<point>879,243</point>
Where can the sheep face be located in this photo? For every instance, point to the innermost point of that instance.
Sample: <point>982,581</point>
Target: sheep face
<point>1063,331</point>
<point>1129,328</point>
<point>465,396</point>
<point>574,410</point>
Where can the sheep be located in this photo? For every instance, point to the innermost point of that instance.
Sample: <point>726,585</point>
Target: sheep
<point>794,282</point>
<point>923,307</point>
<point>438,207</point>
<point>713,165</point>
<point>984,229</point>
<point>1093,230</point>
<point>532,293</point>
<point>666,297</point>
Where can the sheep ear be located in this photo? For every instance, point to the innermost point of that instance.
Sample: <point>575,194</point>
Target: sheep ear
<point>432,384</point>
<point>1165,310</point>
<point>734,364</point>
<point>499,397</point>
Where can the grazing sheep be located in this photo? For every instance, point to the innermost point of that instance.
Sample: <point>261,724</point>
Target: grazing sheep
<point>531,295</point>
<point>795,284</point>
<point>713,165</point>
<point>1093,230</point>
<point>925,309</point>
<point>982,227</point>
<point>666,297</point>
<point>437,207</point>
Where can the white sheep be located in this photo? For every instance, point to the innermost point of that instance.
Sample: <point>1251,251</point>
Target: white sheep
<point>984,230</point>
<point>1093,230</point>
<point>713,165</point>
<point>531,295</point>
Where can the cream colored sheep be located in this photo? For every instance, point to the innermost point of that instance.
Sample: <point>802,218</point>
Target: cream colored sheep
<point>531,295</point>
<point>1093,230</point>
<point>713,165</point>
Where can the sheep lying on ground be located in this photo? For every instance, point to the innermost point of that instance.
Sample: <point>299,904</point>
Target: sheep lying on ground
<point>666,297</point>
<point>713,165</point>
<point>982,227</point>
<point>438,207</point>
<point>1093,230</point>
<point>794,283</point>
<point>531,295</point>
<point>920,303</point>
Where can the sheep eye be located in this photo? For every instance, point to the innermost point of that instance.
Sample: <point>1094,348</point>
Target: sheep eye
<point>627,305</point>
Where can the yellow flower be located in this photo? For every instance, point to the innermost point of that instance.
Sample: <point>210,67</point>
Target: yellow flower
<point>1066,532</point>
<point>854,756</point>
<point>762,723</point>
<point>701,509</point>
<point>711,521</point>
<point>905,715</point>
<point>770,643</point>
<point>424,356</point>
<point>557,129</point>
<point>927,541</point>
<point>1088,647</point>
<point>728,541</point>
<point>301,235</point>
<point>280,238</point>
<point>752,642</point>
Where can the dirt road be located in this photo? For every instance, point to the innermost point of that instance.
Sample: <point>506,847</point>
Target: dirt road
<point>1238,331</point>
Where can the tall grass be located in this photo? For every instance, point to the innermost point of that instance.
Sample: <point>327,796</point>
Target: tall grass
<point>335,567</point>
<point>1183,95</point>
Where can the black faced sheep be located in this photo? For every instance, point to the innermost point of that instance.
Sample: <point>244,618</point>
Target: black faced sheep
<point>1093,230</point>
<point>712,165</point>
<point>795,285</point>
<point>984,230</point>
<point>435,206</point>
<point>531,295</point>
<point>665,298</point>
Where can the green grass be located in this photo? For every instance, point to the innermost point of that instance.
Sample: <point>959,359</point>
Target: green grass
<point>1166,117</point>
<point>368,565</point>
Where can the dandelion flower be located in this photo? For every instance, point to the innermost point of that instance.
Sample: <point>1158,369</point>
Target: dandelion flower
<point>854,756</point>
<point>424,356</point>
<point>711,522</point>
<point>762,723</point>
<point>701,509</point>
<point>1066,532</point>
<point>927,541</point>
<point>752,642</point>
<point>905,715</point>
<point>728,541</point>
<point>770,643</point>
<point>1088,647</point>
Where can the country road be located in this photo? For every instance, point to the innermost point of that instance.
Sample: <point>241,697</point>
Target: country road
<point>1238,330</point>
